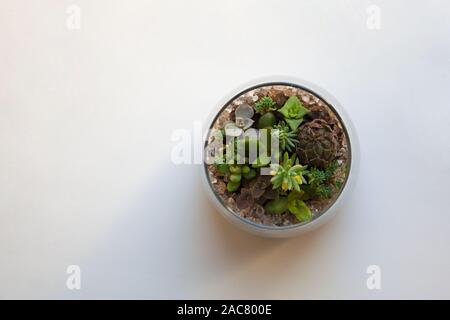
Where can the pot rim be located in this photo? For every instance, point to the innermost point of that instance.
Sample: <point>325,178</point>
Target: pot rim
<point>347,125</point>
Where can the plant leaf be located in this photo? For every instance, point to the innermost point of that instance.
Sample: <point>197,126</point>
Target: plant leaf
<point>261,161</point>
<point>289,105</point>
<point>277,206</point>
<point>293,109</point>
<point>294,123</point>
<point>300,210</point>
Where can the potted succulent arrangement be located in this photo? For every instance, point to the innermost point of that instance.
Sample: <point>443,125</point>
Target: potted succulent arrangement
<point>278,157</point>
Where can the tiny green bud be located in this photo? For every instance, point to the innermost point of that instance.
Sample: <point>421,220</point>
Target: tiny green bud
<point>235,177</point>
<point>233,186</point>
<point>245,169</point>
<point>223,168</point>
<point>235,169</point>
<point>250,175</point>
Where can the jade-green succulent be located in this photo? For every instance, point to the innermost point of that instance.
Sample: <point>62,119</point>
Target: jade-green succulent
<point>292,203</point>
<point>293,112</point>
<point>298,207</point>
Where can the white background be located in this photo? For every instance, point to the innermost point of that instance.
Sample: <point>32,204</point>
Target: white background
<point>86,118</point>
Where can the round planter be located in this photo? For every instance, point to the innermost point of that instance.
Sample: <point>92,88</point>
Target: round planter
<point>333,208</point>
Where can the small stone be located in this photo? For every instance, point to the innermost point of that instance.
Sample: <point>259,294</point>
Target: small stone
<point>244,111</point>
<point>305,98</point>
<point>221,187</point>
<point>244,123</point>
<point>232,130</point>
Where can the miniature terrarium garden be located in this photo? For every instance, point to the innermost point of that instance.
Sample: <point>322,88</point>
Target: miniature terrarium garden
<point>278,155</point>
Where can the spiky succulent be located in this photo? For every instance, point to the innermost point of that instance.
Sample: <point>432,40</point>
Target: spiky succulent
<point>287,138</point>
<point>289,174</point>
<point>320,181</point>
<point>264,105</point>
<point>318,143</point>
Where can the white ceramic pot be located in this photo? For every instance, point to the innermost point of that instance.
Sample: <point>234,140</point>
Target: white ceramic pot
<point>291,230</point>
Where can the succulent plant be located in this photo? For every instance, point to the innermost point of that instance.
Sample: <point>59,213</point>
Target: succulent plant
<point>320,181</point>
<point>318,143</point>
<point>234,173</point>
<point>245,172</point>
<point>248,173</point>
<point>293,203</point>
<point>234,178</point>
<point>297,207</point>
<point>293,112</point>
<point>287,138</point>
<point>261,162</point>
<point>267,120</point>
<point>288,175</point>
<point>265,105</point>
<point>277,206</point>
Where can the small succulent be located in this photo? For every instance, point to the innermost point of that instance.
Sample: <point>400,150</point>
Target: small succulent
<point>293,112</point>
<point>277,206</point>
<point>298,207</point>
<point>236,174</point>
<point>267,120</point>
<point>320,181</point>
<point>292,203</point>
<point>287,138</point>
<point>265,105</point>
<point>318,143</point>
<point>243,120</point>
<point>288,175</point>
<point>316,176</point>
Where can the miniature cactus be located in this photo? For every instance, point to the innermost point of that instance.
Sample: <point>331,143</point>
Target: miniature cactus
<point>266,104</point>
